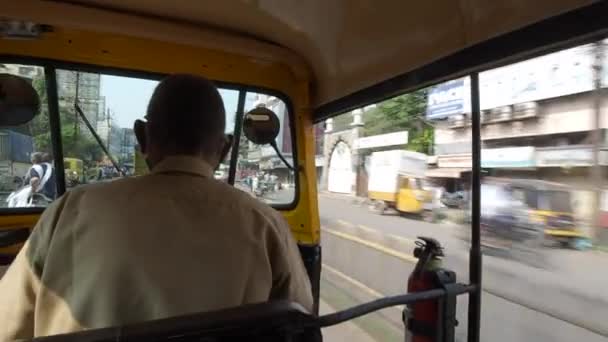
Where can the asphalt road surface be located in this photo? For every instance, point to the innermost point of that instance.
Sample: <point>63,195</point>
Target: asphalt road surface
<point>548,294</point>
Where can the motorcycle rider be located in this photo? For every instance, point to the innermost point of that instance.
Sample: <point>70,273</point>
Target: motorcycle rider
<point>41,175</point>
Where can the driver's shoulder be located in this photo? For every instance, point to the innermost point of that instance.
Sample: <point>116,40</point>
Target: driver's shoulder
<point>246,203</point>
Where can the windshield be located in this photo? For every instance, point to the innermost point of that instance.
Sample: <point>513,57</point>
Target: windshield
<point>97,112</point>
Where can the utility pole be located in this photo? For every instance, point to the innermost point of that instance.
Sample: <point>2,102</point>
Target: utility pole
<point>596,173</point>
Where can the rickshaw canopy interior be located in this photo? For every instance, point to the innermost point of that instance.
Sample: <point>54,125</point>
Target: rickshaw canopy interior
<point>358,52</point>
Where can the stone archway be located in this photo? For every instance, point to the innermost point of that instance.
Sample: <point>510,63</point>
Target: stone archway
<point>340,175</point>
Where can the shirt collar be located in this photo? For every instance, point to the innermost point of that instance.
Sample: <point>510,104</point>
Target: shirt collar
<point>185,164</point>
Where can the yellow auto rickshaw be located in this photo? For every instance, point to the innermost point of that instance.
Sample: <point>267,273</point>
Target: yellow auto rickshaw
<point>74,171</point>
<point>395,181</point>
<point>551,206</point>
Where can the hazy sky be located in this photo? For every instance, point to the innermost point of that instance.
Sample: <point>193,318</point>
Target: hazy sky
<point>128,99</point>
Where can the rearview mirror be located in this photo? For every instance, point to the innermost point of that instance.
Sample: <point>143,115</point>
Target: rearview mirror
<point>19,101</point>
<point>261,126</point>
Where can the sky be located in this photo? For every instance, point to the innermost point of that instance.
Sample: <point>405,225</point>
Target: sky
<point>128,99</point>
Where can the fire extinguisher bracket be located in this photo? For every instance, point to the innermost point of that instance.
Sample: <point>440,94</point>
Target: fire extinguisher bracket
<point>447,305</point>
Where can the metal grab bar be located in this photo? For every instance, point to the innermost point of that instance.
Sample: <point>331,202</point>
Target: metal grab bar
<point>383,303</point>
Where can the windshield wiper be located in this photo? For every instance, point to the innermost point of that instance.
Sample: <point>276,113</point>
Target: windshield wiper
<point>97,138</point>
<point>280,155</point>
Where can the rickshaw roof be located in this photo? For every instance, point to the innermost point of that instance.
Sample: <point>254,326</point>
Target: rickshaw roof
<point>347,45</point>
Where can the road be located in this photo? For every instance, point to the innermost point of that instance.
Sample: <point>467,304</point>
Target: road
<point>547,295</point>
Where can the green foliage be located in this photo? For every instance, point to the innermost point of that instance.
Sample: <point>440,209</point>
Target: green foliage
<point>402,113</point>
<point>75,143</point>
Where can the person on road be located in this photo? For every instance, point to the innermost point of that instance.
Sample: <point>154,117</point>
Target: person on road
<point>173,242</point>
<point>41,175</point>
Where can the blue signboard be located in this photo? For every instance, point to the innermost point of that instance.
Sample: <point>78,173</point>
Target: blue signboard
<point>446,99</point>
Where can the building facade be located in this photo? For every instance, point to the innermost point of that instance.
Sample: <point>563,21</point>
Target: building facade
<point>85,86</point>
<point>538,121</point>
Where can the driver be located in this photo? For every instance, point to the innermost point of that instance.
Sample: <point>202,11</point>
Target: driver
<point>170,243</point>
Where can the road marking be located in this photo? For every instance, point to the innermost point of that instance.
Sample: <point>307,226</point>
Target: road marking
<point>353,281</point>
<point>402,239</point>
<point>393,236</point>
<point>345,223</point>
<point>373,245</point>
<point>366,228</point>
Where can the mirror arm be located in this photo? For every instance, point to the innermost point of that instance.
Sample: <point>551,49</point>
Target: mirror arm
<point>280,155</point>
<point>96,136</point>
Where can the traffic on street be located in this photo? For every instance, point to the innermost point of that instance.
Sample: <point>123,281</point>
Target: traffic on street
<point>539,293</point>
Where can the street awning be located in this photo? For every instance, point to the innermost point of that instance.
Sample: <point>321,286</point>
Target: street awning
<point>446,172</point>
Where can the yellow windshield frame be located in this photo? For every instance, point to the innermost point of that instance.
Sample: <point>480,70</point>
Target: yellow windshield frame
<point>98,51</point>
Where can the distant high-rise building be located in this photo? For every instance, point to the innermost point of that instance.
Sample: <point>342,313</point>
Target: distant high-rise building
<point>87,87</point>
<point>127,146</point>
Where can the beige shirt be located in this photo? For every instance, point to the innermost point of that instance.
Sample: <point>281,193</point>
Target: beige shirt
<point>173,242</point>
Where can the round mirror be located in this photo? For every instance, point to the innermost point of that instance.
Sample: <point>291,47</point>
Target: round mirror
<point>19,101</point>
<point>261,126</point>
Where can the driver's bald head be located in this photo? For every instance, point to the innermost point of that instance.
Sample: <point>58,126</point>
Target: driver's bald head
<point>186,115</point>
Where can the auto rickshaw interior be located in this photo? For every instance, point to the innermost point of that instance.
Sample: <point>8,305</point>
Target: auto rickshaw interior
<point>311,61</point>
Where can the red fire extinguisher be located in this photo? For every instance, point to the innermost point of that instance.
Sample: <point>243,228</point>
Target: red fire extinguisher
<point>422,318</point>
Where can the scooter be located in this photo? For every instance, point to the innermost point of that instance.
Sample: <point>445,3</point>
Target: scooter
<point>25,198</point>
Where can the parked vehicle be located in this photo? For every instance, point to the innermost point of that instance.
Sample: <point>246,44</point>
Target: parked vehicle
<point>395,181</point>
<point>455,199</point>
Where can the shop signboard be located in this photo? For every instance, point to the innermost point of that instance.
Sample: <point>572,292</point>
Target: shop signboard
<point>447,99</point>
<point>564,157</point>
<point>462,160</point>
<point>389,139</point>
<point>558,74</point>
<point>508,157</point>
<point>568,156</point>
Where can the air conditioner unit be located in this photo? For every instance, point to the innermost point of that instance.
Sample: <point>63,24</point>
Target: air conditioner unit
<point>485,116</point>
<point>456,121</point>
<point>525,110</point>
<point>502,113</point>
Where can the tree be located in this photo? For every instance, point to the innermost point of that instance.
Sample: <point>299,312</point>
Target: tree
<point>75,145</point>
<point>403,112</point>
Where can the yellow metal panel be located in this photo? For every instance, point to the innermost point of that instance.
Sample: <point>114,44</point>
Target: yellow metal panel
<point>382,196</point>
<point>565,233</point>
<point>407,202</point>
<point>8,222</point>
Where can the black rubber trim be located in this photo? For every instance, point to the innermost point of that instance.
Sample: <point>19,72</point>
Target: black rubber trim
<point>311,256</point>
<point>13,236</point>
<point>6,259</point>
<point>572,28</point>
<point>55,126</point>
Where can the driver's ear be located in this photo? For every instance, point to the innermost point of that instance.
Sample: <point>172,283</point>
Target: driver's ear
<point>228,140</point>
<point>139,128</point>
